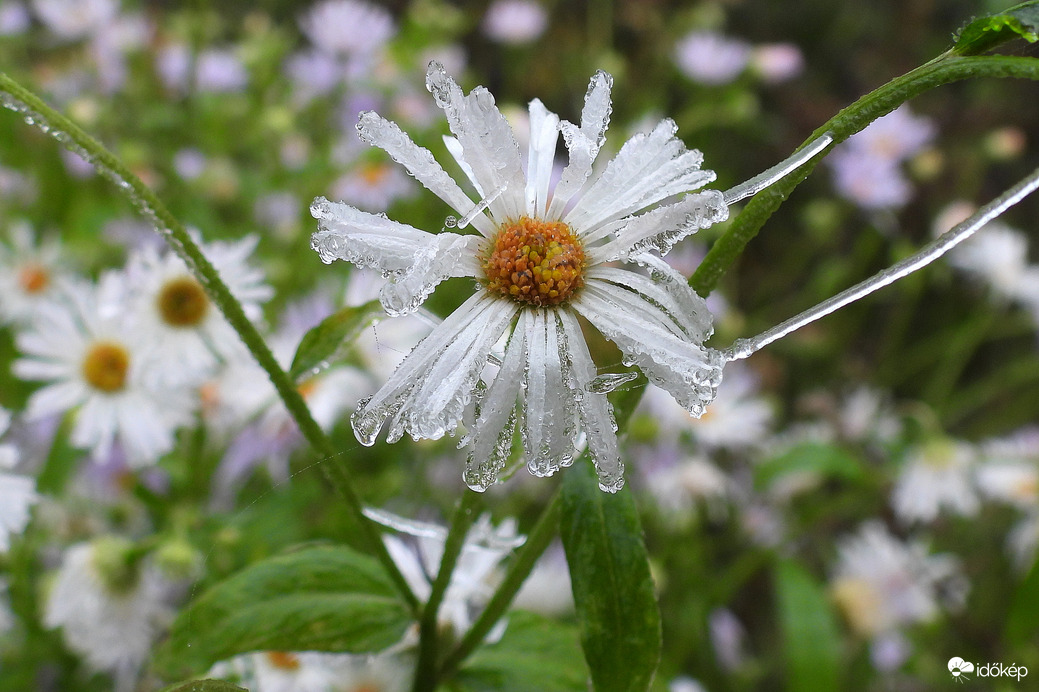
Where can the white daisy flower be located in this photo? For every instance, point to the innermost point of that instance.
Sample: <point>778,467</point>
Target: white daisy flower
<point>95,361</point>
<point>348,27</point>
<point>17,492</point>
<point>476,573</point>
<point>313,671</point>
<point>177,314</point>
<point>110,606</point>
<point>937,476</point>
<point>30,273</point>
<point>543,258</point>
<point>882,584</point>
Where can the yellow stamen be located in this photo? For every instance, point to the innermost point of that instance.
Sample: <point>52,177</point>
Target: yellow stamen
<point>536,262</point>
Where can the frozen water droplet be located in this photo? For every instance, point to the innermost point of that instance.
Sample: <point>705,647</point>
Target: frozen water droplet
<point>451,222</point>
<point>604,384</point>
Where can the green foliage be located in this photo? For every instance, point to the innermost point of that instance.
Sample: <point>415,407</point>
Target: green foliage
<point>325,342</point>
<point>204,686</point>
<point>535,653</point>
<point>985,33</point>
<point>811,639</point>
<point>810,457</point>
<point>317,599</point>
<point>613,590</point>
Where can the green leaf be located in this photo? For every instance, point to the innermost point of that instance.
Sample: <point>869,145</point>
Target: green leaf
<point>535,653</point>
<point>613,591</point>
<point>1022,622</point>
<point>810,457</point>
<point>318,599</point>
<point>985,33</point>
<point>811,639</point>
<point>204,686</point>
<point>324,343</point>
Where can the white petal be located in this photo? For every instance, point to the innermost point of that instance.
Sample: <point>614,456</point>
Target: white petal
<point>386,135</point>
<point>584,143</point>
<point>487,139</point>
<point>427,393</point>
<point>454,147</point>
<point>658,229</point>
<point>55,398</point>
<point>667,291</point>
<point>549,425</point>
<point>690,372</point>
<point>648,169</point>
<point>600,430</point>
<point>544,131</point>
<point>490,436</point>
<point>416,260</point>
<point>17,495</point>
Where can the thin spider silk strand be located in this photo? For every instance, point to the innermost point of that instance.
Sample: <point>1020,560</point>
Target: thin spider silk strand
<point>743,348</point>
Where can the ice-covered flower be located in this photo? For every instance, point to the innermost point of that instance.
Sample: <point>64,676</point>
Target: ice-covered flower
<point>515,22</point>
<point>938,475</point>
<point>96,360</point>
<point>542,258</point>
<point>883,584</point>
<point>417,553</point>
<point>710,58</point>
<point>110,606</point>
<point>17,492</point>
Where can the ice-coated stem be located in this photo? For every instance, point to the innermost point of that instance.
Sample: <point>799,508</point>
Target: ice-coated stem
<point>37,113</point>
<point>779,171</point>
<point>938,247</point>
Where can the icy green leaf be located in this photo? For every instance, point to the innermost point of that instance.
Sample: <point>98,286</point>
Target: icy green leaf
<point>324,342</point>
<point>811,639</point>
<point>826,460</point>
<point>204,686</point>
<point>985,33</point>
<point>534,654</point>
<point>613,591</point>
<point>319,599</point>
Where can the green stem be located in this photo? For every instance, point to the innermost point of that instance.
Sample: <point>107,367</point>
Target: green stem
<point>426,669</point>
<point>537,541</point>
<point>944,69</point>
<point>39,114</point>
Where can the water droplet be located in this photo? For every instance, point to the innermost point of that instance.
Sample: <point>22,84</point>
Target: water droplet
<point>451,222</point>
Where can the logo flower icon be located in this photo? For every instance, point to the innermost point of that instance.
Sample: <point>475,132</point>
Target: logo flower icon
<point>959,668</point>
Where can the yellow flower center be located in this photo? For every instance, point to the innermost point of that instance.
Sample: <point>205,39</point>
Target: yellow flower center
<point>283,660</point>
<point>182,302</point>
<point>33,277</point>
<point>105,366</point>
<point>536,262</point>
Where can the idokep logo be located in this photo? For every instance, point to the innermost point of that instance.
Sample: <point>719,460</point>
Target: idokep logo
<point>961,670</point>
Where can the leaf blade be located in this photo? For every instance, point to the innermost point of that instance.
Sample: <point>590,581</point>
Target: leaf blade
<point>985,33</point>
<point>325,341</point>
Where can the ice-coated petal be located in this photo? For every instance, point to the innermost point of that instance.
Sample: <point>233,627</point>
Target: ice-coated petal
<point>415,260</point>
<point>427,393</point>
<point>490,436</point>
<point>487,139</point>
<point>678,307</point>
<point>17,495</point>
<point>544,131</point>
<point>649,168</point>
<point>658,229</point>
<point>584,142</point>
<point>549,424</point>
<point>687,370</point>
<point>419,162</point>
<point>600,429</point>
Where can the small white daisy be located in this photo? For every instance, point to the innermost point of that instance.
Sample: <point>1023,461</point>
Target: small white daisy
<point>936,476</point>
<point>997,255</point>
<point>543,258</point>
<point>175,311</point>
<point>17,492</point>
<point>313,671</point>
<point>110,607</point>
<point>73,19</point>
<point>476,574</point>
<point>97,363</point>
<point>882,584</point>
<point>30,273</point>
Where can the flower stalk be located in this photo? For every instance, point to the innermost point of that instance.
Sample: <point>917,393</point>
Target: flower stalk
<point>37,113</point>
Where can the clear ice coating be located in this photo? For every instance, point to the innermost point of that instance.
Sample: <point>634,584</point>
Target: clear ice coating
<point>661,228</point>
<point>608,382</point>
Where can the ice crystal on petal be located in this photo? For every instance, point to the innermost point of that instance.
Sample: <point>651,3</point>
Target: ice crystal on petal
<point>658,230</point>
<point>584,142</point>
